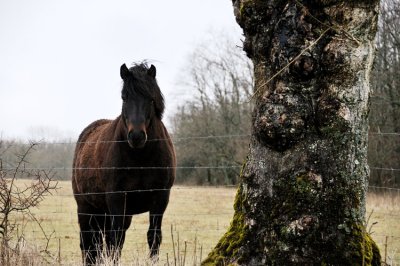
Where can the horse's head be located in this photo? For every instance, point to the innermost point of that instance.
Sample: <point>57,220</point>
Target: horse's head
<point>142,102</point>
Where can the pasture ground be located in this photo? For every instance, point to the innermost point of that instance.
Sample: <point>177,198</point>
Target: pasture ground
<point>196,218</point>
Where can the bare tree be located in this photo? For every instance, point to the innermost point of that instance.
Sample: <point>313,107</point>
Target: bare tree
<point>221,76</point>
<point>301,200</point>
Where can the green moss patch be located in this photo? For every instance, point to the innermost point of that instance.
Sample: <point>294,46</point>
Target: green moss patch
<point>363,250</point>
<point>229,245</point>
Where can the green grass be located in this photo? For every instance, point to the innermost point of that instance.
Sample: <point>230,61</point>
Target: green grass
<point>197,216</point>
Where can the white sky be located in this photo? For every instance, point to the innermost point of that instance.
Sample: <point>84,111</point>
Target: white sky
<point>59,60</point>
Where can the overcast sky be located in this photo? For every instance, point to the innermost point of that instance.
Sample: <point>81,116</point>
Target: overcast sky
<point>59,60</point>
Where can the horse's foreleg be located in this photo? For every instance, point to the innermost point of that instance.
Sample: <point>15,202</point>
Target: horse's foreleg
<point>154,234</point>
<point>115,236</point>
<point>90,237</point>
<point>118,223</point>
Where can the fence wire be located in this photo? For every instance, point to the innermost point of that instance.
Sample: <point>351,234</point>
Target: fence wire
<point>177,139</point>
<point>187,228</point>
<point>214,226</point>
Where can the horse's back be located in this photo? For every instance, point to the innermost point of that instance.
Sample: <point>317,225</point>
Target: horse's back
<point>91,129</point>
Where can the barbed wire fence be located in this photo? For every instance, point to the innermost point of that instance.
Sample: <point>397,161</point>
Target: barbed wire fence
<point>217,219</point>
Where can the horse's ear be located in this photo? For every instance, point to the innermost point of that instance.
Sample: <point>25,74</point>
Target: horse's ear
<point>152,71</point>
<point>124,72</point>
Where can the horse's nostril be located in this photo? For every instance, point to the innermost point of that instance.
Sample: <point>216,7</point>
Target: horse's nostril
<point>142,135</point>
<point>130,135</point>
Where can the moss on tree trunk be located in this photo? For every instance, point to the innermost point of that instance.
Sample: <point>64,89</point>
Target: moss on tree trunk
<point>302,194</point>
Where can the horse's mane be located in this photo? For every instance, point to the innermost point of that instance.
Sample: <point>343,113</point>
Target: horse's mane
<point>141,83</point>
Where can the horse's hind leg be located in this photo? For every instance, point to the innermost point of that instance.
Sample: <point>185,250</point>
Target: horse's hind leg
<point>90,225</point>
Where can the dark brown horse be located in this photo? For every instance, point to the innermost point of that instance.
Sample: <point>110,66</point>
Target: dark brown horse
<point>124,167</point>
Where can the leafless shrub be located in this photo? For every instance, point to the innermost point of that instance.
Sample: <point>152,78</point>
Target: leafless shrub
<point>16,200</point>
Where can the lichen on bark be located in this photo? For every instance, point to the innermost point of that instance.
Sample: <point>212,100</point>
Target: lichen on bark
<point>302,194</point>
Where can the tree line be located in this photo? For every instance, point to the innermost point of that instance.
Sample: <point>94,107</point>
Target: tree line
<point>211,130</point>
<point>384,117</point>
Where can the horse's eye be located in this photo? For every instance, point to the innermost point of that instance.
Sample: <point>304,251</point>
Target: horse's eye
<point>124,98</point>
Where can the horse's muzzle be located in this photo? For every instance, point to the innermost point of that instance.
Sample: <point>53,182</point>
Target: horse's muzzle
<point>137,139</point>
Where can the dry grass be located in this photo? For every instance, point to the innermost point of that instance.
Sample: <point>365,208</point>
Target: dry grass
<point>196,216</point>
<point>384,209</point>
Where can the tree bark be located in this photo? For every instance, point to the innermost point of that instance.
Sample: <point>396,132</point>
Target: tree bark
<point>301,200</point>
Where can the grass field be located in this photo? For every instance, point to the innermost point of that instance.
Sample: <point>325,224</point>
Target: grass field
<point>196,218</point>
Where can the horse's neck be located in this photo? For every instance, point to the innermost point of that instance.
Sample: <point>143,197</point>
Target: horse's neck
<point>156,130</point>
<point>118,127</point>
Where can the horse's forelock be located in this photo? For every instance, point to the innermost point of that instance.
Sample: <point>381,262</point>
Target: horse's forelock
<point>145,85</point>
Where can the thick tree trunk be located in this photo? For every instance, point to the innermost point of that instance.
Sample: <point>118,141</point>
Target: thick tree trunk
<point>301,200</point>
